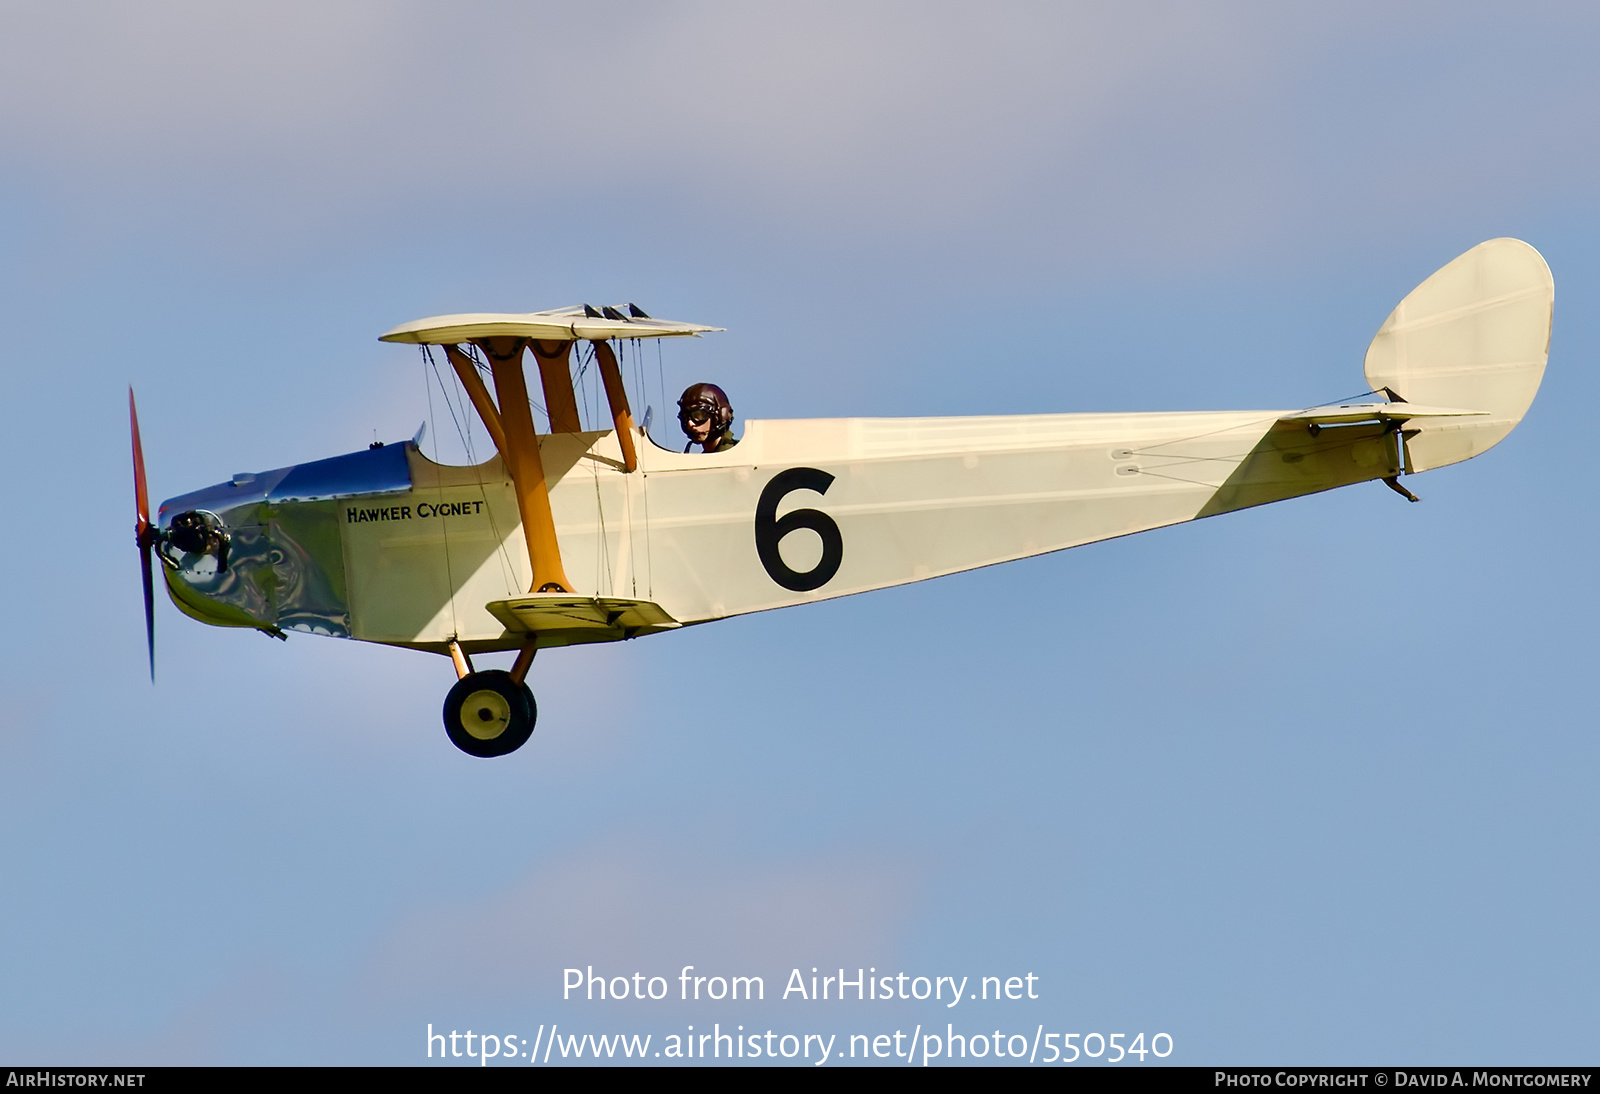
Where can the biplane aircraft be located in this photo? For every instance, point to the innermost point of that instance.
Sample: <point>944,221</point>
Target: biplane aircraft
<point>576,535</point>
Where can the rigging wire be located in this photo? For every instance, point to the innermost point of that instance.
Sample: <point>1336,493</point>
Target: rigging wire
<point>466,419</point>
<point>444,525</point>
<point>603,546</point>
<point>1224,429</point>
<point>1179,460</point>
<point>1183,461</point>
<point>508,572</point>
<point>661,376</point>
<point>638,376</point>
<point>585,358</point>
<point>644,488</point>
<point>427,352</point>
<point>628,367</point>
<point>597,384</point>
<point>575,370</point>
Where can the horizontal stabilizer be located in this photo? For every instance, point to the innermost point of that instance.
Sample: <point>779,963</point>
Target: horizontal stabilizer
<point>1345,413</point>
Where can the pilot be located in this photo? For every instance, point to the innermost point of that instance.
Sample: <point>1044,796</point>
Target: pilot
<point>706,418</point>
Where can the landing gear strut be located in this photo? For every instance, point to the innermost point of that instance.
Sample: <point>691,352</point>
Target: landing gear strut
<point>489,713</point>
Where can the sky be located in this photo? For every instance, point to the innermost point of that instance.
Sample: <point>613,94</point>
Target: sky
<point>1305,784</point>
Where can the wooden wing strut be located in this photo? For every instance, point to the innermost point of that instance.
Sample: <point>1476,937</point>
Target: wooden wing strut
<point>617,396</point>
<point>560,401</point>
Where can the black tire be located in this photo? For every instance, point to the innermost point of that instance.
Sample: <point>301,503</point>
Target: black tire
<point>489,714</point>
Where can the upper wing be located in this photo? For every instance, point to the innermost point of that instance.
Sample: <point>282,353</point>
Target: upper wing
<point>559,325</point>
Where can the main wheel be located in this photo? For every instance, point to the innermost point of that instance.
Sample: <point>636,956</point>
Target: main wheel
<point>489,714</point>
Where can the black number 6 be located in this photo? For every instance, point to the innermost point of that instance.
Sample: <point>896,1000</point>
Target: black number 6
<point>770,530</point>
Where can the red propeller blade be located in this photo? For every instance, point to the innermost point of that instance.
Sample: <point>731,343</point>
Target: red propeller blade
<point>143,534</point>
<point>141,495</point>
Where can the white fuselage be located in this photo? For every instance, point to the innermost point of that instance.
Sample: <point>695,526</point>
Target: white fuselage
<point>909,498</point>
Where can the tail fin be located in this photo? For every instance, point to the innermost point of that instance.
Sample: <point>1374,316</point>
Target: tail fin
<point>1475,335</point>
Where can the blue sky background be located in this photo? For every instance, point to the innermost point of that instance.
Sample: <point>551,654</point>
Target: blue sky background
<point>1306,784</point>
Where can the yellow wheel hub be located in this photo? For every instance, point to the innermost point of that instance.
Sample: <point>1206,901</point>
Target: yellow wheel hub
<point>485,714</point>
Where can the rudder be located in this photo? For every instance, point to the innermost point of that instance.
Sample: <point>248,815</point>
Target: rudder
<point>1475,335</point>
